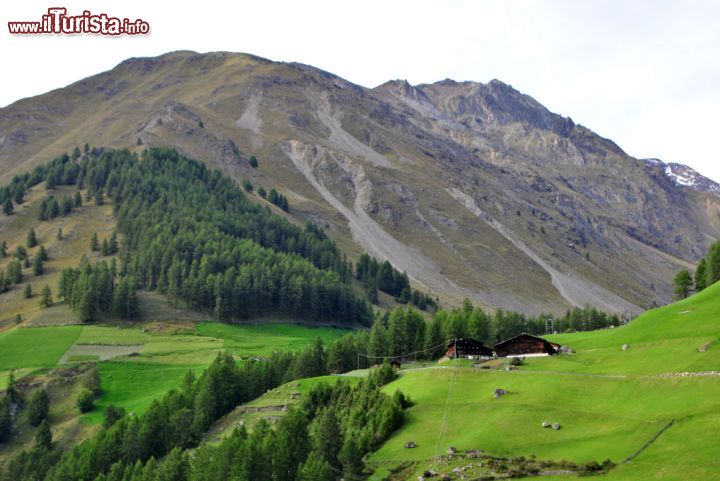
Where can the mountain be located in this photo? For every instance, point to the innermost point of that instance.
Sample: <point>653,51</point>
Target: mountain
<point>686,176</point>
<point>475,190</point>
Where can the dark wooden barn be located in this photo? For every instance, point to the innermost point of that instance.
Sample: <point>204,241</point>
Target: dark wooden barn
<point>468,348</point>
<point>525,345</point>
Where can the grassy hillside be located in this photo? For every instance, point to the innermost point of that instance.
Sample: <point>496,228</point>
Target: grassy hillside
<point>138,363</point>
<point>609,402</point>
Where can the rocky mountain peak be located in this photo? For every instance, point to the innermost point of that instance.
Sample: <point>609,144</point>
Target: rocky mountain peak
<point>685,176</point>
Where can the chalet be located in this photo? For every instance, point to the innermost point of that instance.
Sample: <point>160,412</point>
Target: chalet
<point>468,348</point>
<point>525,345</point>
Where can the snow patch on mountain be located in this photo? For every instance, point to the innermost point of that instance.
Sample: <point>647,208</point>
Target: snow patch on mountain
<point>685,176</point>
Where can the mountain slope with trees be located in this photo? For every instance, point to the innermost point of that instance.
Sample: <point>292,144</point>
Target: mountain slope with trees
<point>459,184</point>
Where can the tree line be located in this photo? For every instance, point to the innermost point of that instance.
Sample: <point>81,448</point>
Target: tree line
<point>382,276</point>
<point>404,330</point>
<point>706,274</point>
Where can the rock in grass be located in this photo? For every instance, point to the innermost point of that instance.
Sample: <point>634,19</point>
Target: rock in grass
<point>452,450</point>
<point>556,426</point>
<point>625,347</point>
<point>499,393</point>
<point>410,445</point>
<point>545,424</point>
<point>704,347</point>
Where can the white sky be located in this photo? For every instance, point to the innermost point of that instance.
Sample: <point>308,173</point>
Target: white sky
<point>643,73</point>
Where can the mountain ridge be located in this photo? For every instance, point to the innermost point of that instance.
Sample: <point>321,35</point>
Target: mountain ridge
<point>382,170</point>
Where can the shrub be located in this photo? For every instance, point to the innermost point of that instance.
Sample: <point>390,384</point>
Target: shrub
<point>86,401</point>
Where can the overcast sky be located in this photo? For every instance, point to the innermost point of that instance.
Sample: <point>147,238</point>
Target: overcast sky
<point>643,73</point>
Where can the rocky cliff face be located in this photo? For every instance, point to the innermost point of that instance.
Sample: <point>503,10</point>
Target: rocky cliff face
<point>475,190</point>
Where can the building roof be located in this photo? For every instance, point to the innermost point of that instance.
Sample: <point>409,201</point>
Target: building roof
<point>523,335</point>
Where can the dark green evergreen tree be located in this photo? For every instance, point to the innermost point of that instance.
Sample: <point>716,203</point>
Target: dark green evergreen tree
<point>31,239</point>
<point>8,207</point>
<point>38,268</point>
<point>46,299</point>
<point>38,407</point>
<point>682,284</point>
<point>43,437</point>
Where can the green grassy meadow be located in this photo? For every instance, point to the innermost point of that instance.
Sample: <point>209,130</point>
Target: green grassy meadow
<point>609,402</point>
<point>162,353</point>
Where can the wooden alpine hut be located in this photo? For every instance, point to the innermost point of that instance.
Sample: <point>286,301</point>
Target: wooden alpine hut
<point>468,348</point>
<point>525,345</point>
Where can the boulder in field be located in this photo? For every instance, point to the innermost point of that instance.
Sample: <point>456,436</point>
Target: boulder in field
<point>499,393</point>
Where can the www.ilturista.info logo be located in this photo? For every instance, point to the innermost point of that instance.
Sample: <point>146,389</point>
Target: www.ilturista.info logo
<point>58,21</point>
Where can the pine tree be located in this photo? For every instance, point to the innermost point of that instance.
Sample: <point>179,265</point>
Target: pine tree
<point>683,284</point>
<point>94,244</point>
<point>113,243</point>
<point>328,438</point>
<point>701,275</point>
<point>78,199</point>
<point>38,407</point>
<point>253,162</point>
<point>75,153</point>
<point>3,249</point>
<point>247,185</point>
<point>12,392</point>
<point>350,456</point>
<point>38,268</point>
<point>14,271</point>
<point>53,209</point>
<point>66,206</point>
<point>112,415</point>
<point>44,215</point>
<point>59,234</point>
<point>46,299</point>
<point>43,254</point>
<point>104,248</point>
<point>43,437</point>
<point>100,197</point>
<point>5,419</point>
<point>28,291</point>
<point>31,239</point>
<point>8,207</point>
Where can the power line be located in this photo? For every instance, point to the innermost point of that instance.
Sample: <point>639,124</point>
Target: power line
<point>402,356</point>
<point>443,427</point>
